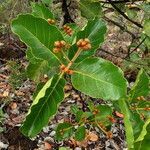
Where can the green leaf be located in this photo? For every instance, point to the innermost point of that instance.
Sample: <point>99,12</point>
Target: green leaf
<point>90,9</point>
<point>128,125</point>
<point>144,131</point>
<point>144,144</point>
<point>74,109</point>
<point>131,13</point>
<point>37,70</point>
<point>40,10</point>
<point>64,131</point>
<point>99,78</point>
<point>137,123</point>
<point>91,105</point>
<point>31,57</point>
<point>94,31</point>
<point>147,27</point>
<point>44,106</point>
<point>79,115</point>
<point>39,86</point>
<point>104,112</point>
<point>37,34</point>
<point>141,85</point>
<point>38,67</point>
<point>80,133</point>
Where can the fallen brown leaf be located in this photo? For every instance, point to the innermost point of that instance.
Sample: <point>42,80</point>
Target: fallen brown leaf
<point>47,146</point>
<point>92,137</point>
<point>13,105</point>
<point>119,114</point>
<point>6,93</point>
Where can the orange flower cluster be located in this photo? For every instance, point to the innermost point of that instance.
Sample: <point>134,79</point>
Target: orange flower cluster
<point>68,30</point>
<point>63,68</point>
<point>51,21</point>
<point>84,44</point>
<point>58,45</point>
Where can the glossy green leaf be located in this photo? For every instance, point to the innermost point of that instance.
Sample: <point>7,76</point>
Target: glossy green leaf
<point>128,125</point>
<point>39,86</point>
<point>38,67</point>
<point>137,123</point>
<point>74,109</point>
<point>44,106</point>
<point>40,10</point>
<point>95,31</point>
<point>90,9</point>
<point>37,34</point>
<point>37,70</point>
<point>144,144</point>
<point>143,131</point>
<point>80,133</point>
<point>64,131</point>
<point>79,115</point>
<point>141,85</point>
<point>104,112</point>
<point>99,78</point>
<point>91,105</point>
<point>31,57</point>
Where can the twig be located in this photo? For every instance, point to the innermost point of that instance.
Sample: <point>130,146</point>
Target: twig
<point>136,48</point>
<point>124,58</point>
<point>117,2</point>
<point>124,15</point>
<point>120,26</point>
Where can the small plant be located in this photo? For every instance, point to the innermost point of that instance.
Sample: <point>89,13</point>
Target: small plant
<point>56,52</point>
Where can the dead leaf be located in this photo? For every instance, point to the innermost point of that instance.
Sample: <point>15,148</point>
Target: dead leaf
<point>92,137</point>
<point>75,143</point>
<point>5,93</point>
<point>3,76</point>
<point>118,114</point>
<point>13,105</point>
<point>18,119</point>
<point>47,146</point>
<point>109,135</point>
<point>19,93</point>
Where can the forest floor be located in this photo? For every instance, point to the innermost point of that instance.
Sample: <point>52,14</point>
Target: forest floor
<point>16,92</point>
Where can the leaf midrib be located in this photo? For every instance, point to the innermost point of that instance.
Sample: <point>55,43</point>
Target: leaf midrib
<point>32,126</point>
<point>79,72</point>
<point>21,26</point>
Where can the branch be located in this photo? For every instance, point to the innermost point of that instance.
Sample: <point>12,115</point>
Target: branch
<point>120,26</point>
<point>124,15</point>
<point>136,47</point>
<point>67,17</point>
<point>118,2</point>
<point>122,57</point>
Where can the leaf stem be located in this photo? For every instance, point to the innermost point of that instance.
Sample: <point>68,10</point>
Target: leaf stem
<point>65,55</point>
<point>74,58</point>
<point>72,61</point>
